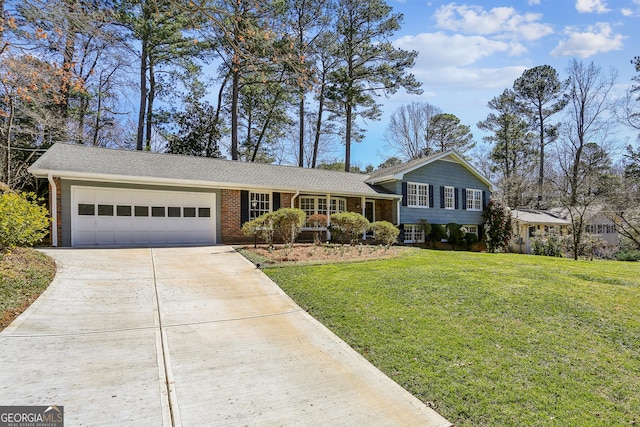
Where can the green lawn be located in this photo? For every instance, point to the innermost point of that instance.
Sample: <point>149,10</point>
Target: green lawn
<point>490,339</point>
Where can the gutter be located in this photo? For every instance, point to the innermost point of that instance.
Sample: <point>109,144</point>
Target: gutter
<point>293,199</point>
<point>53,198</point>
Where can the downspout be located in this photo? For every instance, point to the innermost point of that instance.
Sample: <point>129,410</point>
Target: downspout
<point>53,199</point>
<point>293,199</point>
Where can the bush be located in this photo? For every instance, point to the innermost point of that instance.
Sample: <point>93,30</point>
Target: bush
<point>546,244</point>
<point>386,232</point>
<point>317,222</point>
<point>287,222</point>
<point>350,224</point>
<point>23,222</point>
<point>470,238</point>
<point>629,255</point>
<point>437,234</point>
<point>456,233</point>
<point>261,227</point>
<point>497,227</point>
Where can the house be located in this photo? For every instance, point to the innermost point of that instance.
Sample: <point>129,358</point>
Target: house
<point>107,197</point>
<point>597,220</point>
<point>527,222</point>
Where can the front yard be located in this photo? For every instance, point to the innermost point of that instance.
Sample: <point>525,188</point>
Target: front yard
<point>490,339</point>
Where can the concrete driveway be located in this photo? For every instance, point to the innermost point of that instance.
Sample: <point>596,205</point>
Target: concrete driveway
<point>187,336</point>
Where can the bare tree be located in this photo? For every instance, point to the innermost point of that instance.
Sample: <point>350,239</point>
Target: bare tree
<point>406,133</point>
<point>584,144</point>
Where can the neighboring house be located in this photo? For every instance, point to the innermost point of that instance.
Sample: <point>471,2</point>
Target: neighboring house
<point>527,222</point>
<point>106,197</point>
<point>596,221</point>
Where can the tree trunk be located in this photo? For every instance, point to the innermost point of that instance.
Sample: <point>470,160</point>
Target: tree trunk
<point>347,139</point>
<point>301,134</point>
<point>67,60</point>
<point>151,98</point>
<point>235,90</point>
<point>143,94</point>
<point>541,174</point>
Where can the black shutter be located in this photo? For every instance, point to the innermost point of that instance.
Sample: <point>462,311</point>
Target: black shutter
<point>431,196</point>
<point>276,202</point>
<point>464,198</point>
<point>484,200</point>
<point>401,235</point>
<point>480,232</point>
<point>404,194</point>
<point>455,194</point>
<point>244,206</point>
<point>441,197</point>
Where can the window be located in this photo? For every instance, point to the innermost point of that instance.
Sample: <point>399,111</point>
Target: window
<point>449,198</point>
<point>141,210</point>
<point>86,209</point>
<point>204,212</point>
<point>413,233</point>
<point>122,210</point>
<point>417,195</point>
<point>189,212</point>
<point>173,212</point>
<point>318,205</point>
<point>474,200</point>
<point>472,229</point>
<point>259,204</point>
<point>157,211</point>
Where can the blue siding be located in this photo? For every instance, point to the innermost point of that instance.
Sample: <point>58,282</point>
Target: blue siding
<point>442,173</point>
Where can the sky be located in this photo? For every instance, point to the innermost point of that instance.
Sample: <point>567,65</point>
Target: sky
<point>468,53</point>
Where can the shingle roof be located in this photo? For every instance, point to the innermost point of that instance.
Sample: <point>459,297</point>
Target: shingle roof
<point>532,216</point>
<point>95,163</point>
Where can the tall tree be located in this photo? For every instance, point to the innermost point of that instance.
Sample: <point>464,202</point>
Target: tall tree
<point>445,132</point>
<point>369,63</point>
<point>585,142</point>
<point>408,128</point>
<point>309,20</point>
<point>511,154</point>
<point>540,92</point>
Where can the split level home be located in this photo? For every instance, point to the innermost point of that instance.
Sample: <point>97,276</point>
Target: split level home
<point>106,197</point>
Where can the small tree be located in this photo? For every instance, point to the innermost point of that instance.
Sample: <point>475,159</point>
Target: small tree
<point>351,224</point>
<point>261,227</point>
<point>386,232</point>
<point>287,222</point>
<point>497,226</point>
<point>317,222</point>
<point>426,228</point>
<point>23,222</point>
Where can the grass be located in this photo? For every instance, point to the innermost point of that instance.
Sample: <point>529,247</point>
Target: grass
<point>24,275</point>
<point>490,339</point>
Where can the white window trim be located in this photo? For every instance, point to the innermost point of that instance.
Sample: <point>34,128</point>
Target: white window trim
<point>416,232</point>
<point>469,227</point>
<point>471,200</point>
<point>417,186</point>
<point>260,211</point>
<point>451,198</point>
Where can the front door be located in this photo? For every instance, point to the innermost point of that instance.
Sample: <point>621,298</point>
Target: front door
<point>370,214</point>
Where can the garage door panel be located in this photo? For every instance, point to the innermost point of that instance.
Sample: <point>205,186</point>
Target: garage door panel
<point>111,217</point>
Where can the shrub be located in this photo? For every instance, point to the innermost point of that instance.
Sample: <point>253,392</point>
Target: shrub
<point>546,244</point>
<point>261,227</point>
<point>426,228</point>
<point>629,255</point>
<point>456,233</point>
<point>317,222</point>
<point>23,222</point>
<point>470,238</point>
<point>287,222</point>
<point>497,227</point>
<point>437,234</point>
<point>386,232</point>
<point>351,224</point>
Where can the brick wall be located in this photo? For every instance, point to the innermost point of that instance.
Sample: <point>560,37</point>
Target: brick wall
<point>230,216</point>
<point>384,210</point>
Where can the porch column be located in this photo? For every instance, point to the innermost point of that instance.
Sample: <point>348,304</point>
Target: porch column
<point>328,216</point>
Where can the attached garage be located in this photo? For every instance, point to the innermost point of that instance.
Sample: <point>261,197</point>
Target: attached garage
<point>129,217</point>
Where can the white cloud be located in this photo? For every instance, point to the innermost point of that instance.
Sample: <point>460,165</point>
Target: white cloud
<point>503,22</point>
<point>532,2</point>
<point>596,39</point>
<point>627,12</point>
<point>446,61</point>
<point>591,6</point>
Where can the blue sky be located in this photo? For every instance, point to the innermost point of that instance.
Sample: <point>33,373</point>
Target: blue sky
<point>470,52</point>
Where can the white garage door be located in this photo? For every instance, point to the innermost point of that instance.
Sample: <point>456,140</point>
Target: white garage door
<point>122,217</point>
